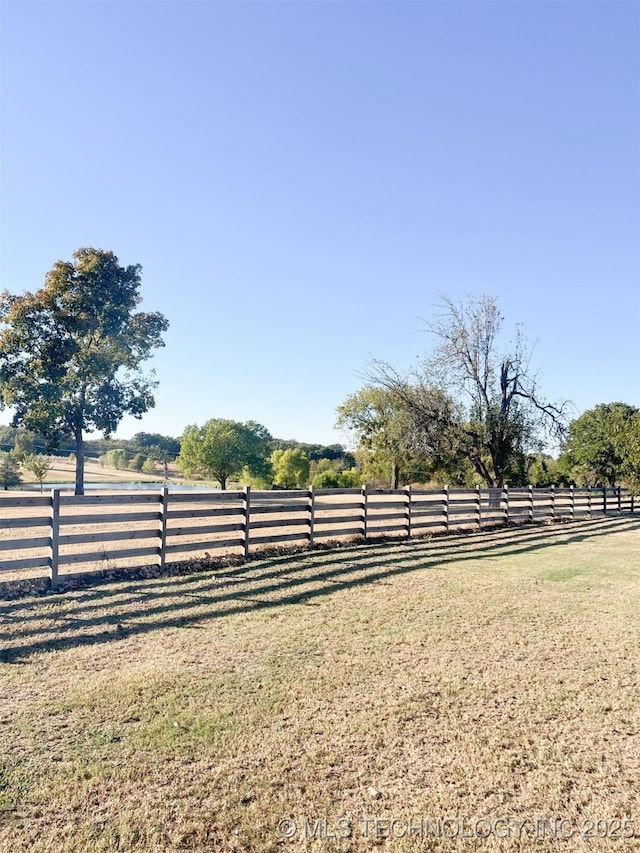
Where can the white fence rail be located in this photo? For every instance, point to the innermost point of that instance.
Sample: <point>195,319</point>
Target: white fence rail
<point>59,534</point>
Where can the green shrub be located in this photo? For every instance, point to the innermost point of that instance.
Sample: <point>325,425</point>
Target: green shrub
<point>350,479</point>
<point>327,480</point>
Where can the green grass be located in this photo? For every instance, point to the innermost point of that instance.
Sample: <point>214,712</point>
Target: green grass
<point>488,677</point>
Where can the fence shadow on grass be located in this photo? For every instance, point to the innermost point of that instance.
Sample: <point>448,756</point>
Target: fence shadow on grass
<point>111,612</point>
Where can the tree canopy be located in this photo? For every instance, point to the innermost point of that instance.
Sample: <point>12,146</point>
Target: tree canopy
<point>290,468</point>
<point>71,353</point>
<point>383,429</point>
<point>316,452</point>
<point>603,446</point>
<point>155,445</point>
<point>222,448</point>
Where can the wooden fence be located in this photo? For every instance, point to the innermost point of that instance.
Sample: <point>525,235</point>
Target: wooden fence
<point>59,534</point>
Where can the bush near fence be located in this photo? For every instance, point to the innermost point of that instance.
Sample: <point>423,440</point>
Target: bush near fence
<point>59,534</point>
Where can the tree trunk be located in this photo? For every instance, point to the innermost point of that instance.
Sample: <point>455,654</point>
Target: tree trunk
<point>223,481</point>
<point>495,496</point>
<point>395,475</point>
<point>79,461</point>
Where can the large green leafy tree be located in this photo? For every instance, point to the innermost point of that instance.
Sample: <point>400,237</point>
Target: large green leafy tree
<point>223,448</point>
<point>603,445</point>
<point>71,353</point>
<point>384,430</point>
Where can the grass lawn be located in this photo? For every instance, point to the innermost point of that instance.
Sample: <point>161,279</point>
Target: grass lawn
<point>469,686</point>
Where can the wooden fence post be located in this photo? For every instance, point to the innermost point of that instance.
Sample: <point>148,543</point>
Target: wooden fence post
<point>573,502</point>
<point>55,537</point>
<point>553,502</point>
<point>407,490</point>
<point>445,508</point>
<point>604,500</point>
<point>312,514</point>
<point>364,513</point>
<point>619,499</point>
<point>162,531</point>
<point>478,508</point>
<point>589,500</point>
<point>247,519</point>
<point>530,503</point>
<point>505,495</point>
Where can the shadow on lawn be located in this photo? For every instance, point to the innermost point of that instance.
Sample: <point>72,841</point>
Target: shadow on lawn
<point>123,609</point>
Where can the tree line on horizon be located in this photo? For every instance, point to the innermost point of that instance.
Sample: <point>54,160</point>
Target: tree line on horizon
<point>470,413</point>
<point>597,451</point>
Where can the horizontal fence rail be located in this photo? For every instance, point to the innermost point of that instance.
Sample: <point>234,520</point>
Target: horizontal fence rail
<point>55,534</point>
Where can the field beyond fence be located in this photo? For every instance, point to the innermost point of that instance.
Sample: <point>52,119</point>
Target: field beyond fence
<point>59,535</point>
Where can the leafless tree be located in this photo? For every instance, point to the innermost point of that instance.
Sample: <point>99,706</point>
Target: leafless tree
<point>471,400</point>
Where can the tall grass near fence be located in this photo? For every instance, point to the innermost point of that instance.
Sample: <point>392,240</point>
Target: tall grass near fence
<point>59,534</point>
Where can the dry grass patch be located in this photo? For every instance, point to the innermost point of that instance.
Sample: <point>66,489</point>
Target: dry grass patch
<point>63,470</point>
<point>488,677</point>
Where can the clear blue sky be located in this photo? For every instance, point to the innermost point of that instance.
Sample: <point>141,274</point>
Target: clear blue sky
<point>298,180</point>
